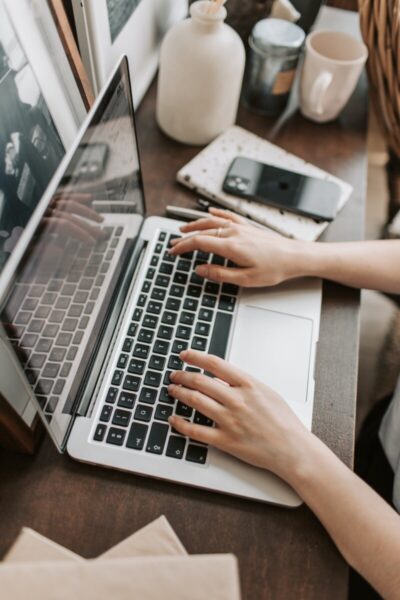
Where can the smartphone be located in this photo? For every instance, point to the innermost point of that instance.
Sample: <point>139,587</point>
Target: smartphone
<point>287,190</point>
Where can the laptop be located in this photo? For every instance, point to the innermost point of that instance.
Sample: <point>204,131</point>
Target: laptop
<point>95,311</point>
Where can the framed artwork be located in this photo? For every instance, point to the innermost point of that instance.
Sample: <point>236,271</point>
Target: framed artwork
<point>109,28</point>
<point>41,110</point>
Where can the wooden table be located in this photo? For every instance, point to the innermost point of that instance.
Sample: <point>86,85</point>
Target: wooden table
<point>282,553</point>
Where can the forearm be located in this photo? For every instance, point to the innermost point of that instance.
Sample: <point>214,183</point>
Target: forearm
<point>363,526</point>
<point>370,265</point>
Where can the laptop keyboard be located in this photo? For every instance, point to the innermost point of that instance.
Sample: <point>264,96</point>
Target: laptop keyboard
<point>176,310</point>
<point>50,315</point>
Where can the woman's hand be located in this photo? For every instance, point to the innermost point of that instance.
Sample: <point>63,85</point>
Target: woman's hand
<point>261,258</point>
<point>252,422</point>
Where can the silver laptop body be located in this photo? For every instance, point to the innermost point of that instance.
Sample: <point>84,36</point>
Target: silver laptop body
<point>93,325</point>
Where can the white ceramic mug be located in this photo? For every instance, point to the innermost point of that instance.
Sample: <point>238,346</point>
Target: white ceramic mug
<point>332,66</point>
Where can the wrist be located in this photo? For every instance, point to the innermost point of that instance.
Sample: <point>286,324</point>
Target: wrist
<point>309,259</point>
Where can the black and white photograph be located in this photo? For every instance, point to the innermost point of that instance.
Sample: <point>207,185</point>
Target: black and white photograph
<point>30,146</point>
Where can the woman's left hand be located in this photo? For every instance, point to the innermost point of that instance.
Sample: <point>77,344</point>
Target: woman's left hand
<point>252,421</point>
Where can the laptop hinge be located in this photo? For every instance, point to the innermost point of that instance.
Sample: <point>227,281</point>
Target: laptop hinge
<point>111,333</point>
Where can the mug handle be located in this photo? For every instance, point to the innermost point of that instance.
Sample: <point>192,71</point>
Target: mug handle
<point>318,91</point>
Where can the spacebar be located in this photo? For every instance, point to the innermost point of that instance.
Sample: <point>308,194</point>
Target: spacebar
<point>220,334</point>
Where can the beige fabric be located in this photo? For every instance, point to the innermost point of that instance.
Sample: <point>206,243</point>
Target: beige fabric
<point>156,539</point>
<point>170,578</point>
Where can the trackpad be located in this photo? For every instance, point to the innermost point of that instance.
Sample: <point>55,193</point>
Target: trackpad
<point>275,348</point>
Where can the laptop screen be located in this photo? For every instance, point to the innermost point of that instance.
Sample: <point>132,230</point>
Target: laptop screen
<point>77,244</point>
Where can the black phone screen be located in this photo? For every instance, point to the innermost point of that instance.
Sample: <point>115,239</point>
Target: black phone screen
<point>288,190</point>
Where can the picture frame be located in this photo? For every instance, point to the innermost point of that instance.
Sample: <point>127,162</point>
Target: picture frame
<point>107,29</point>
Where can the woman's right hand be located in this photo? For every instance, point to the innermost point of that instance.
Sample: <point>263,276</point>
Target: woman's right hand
<point>261,258</point>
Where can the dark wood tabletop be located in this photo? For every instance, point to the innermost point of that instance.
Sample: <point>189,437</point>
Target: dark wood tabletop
<point>282,553</point>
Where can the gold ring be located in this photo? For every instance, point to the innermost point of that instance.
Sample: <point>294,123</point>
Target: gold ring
<point>219,232</point>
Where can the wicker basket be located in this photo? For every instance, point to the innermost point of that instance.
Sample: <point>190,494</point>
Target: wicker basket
<point>380,26</point>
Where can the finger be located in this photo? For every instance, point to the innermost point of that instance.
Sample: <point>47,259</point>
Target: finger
<point>215,365</point>
<point>75,196</point>
<point>67,229</point>
<point>204,384</point>
<point>227,214</point>
<point>201,224</point>
<point>208,407</point>
<point>222,274</point>
<point>205,243</point>
<point>73,207</point>
<point>206,435</point>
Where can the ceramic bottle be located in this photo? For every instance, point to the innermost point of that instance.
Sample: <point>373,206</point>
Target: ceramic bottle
<point>201,70</point>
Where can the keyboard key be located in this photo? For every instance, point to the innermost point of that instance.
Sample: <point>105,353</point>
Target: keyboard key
<point>70,324</point>
<point>68,289</point>
<point>199,343</point>
<point>187,318</point>
<point>227,303</point>
<point>205,314</point>
<point>194,291</point>
<point>116,436</point>
<point>36,361</point>
<point>117,377</point>
<point>50,298</point>
<point>106,413</point>
<point>131,383</point>
<point>80,298</point>
<point>99,433</point>
<point>183,410</point>
<point>176,290</point>
<point>217,260</point>
<point>150,321</point>
<point>44,345</point>
<point>161,347</point>
<point>167,379</point>
<point>209,301</point>
<point>162,281</point>
<point>162,236</point>
<point>158,248</point>
<point>36,326</point>
<point>173,304</point>
<point>165,397</point>
<point>175,363</point>
<point>154,261</point>
<point>180,278</point>
<point>72,353</point>
<point>36,291</point>
<point>154,307</point>
<point>157,362</point>
<point>142,300</point>
<point>137,436</point>
<point>150,273</point>
<point>201,419</point>
<point>191,304</point>
<point>204,256</point>
<point>158,294</point>
<point>143,413</point>
<point>127,400</point>
<point>146,336</point>
<point>66,369</point>
<point>202,329</point>
<point>230,288</point>
<point>30,304</point>
<point>164,332</point>
<point>183,265</point>
<point>42,312</point>
<point>89,308</point>
<point>179,346</point>
<point>29,340</point>
<point>163,412</point>
<point>183,333</point>
<point>63,339</point>
<point>122,361</point>
<point>167,257</point>
<point>153,379</point>
<point>166,268</point>
<point>169,318</point>
<point>220,334</point>
<point>132,329</point>
<point>158,435</point>
<point>196,454</point>
<point>211,288</point>
<point>51,370</point>
<point>127,345</point>
<point>136,367</point>
<point>111,395</point>
<point>77,338</point>
<point>148,395</point>
<point>121,418</point>
<point>176,447</point>
<point>146,286</point>
<point>196,279</point>
<point>141,351</point>
<point>137,315</point>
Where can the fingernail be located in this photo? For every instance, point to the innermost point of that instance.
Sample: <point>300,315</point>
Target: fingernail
<point>202,270</point>
<point>183,353</point>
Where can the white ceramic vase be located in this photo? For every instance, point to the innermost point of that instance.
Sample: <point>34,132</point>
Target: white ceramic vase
<point>201,70</point>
